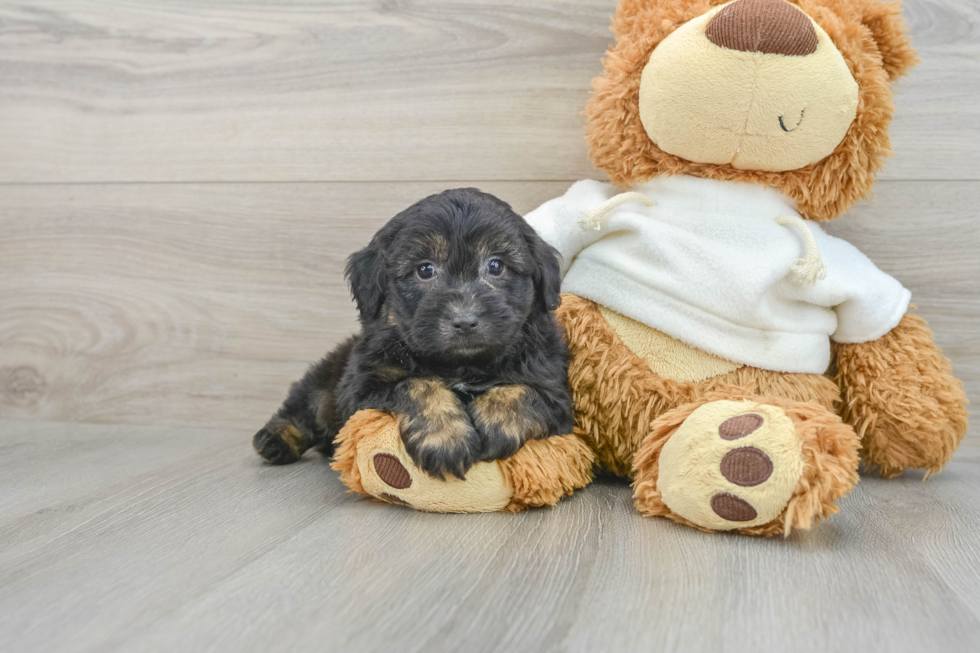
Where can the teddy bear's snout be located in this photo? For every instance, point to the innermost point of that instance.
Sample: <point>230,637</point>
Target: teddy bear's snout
<point>767,26</point>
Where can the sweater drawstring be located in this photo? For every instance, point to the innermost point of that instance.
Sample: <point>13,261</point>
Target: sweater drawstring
<point>810,268</point>
<point>592,219</point>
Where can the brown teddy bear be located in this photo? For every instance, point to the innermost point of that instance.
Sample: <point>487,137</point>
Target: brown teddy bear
<point>728,355</point>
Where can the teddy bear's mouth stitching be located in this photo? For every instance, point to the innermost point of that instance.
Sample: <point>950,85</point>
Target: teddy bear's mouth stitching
<point>798,122</point>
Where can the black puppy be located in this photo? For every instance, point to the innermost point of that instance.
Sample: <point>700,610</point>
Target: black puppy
<point>458,340</point>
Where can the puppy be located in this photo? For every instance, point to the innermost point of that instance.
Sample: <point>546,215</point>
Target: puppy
<point>458,340</point>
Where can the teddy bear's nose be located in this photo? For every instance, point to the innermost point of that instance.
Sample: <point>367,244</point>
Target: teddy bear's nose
<point>769,26</point>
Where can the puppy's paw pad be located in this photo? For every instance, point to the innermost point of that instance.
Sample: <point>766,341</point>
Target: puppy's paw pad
<point>391,471</point>
<point>731,464</point>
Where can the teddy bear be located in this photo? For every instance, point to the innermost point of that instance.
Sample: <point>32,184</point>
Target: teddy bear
<point>727,354</point>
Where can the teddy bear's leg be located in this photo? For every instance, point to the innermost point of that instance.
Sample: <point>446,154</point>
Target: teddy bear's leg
<point>900,395</point>
<point>759,466</point>
<point>372,460</point>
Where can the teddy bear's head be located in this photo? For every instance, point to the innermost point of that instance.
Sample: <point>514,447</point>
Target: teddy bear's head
<point>795,95</point>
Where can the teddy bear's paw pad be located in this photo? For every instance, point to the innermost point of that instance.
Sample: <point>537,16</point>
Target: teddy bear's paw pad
<point>746,466</point>
<point>388,473</point>
<point>391,471</point>
<point>739,426</point>
<point>731,464</point>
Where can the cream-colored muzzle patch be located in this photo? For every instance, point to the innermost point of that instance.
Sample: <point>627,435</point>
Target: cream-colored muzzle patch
<point>754,110</point>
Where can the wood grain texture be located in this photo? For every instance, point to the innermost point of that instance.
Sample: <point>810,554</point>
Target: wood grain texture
<point>342,91</point>
<point>170,313</point>
<point>181,540</point>
<point>198,305</point>
<point>181,304</point>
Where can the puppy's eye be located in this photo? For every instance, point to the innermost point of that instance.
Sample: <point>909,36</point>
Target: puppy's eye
<point>495,267</point>
<point>425,271</point>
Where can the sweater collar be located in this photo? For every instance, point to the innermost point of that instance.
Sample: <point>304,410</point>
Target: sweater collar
<point>732,197</point>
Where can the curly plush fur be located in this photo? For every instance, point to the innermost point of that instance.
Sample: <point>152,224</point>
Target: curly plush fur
<point>898,392</point>
<point>900,395</point>
<point>892,402</point>
<point>617,396</point>
<point>541,473</point>
<point>545,471</point>
<point>872,37</point>
<point>830,454</point>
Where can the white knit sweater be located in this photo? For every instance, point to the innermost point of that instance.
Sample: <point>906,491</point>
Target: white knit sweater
<point>711,266</point>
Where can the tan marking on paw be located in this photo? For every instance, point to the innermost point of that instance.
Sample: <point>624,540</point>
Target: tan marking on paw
<point>503,407</point>
<point>451,435</point>
<point>442,421</point>
<point>760,468</point>
<point>434,398</point>
<point>293,439</point>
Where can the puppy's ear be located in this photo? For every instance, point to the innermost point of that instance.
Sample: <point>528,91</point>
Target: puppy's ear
<point>547,270</point>
<point>367,278</point>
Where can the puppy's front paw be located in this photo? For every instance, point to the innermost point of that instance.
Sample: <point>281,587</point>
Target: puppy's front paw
<point>503,416</point>
<point>443,445</point>
<point>436,430</point>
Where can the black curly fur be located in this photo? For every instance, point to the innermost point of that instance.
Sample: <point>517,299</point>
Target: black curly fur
<point>410,359</point>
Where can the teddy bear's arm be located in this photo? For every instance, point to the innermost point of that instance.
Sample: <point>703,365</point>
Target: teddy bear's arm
<point>539,474</point>
<point>559,221</point>
<point>900,395</point>
<point>434,426</point>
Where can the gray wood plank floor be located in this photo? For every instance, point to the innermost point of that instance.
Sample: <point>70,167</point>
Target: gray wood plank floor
<point>121,538</point>
<point>180,183</point>
<point>354,90</point>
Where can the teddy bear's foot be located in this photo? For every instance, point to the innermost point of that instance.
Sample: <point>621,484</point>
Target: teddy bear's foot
<point>759,466</point>
<point>372,460</point>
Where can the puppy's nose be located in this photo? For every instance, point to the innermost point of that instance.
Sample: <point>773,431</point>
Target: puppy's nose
<point>465,322</point>
<point>769,26</point>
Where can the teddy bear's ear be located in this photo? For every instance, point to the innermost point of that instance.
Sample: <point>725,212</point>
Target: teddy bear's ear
<point>891,35</point>
<point>634,16</point>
